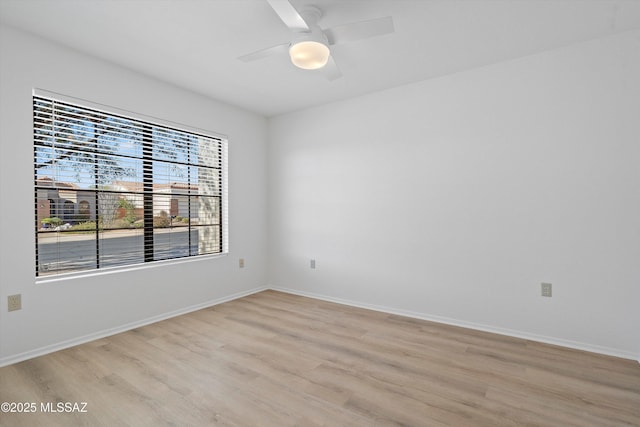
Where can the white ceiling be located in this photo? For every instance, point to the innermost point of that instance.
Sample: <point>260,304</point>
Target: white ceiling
<point>195,43</point>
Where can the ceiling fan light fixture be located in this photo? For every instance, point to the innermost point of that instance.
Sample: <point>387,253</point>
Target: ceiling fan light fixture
<point>309,54</point>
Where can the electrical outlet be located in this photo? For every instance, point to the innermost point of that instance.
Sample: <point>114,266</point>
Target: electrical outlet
<point>14,302</point>
<point>241,263</point>
<point>312,264</point>
<point>545,289</point>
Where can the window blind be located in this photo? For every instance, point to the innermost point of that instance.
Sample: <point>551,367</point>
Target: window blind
<point>112,190</point>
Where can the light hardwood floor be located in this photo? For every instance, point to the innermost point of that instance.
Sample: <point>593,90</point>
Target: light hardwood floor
<point>274,359</point>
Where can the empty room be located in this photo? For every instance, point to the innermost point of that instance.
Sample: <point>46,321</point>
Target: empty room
<point>320,213</point>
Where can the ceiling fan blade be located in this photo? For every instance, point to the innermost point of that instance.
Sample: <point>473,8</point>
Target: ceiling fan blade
<point>289,15</point>
<point>263,53</point>
<point>331,70</point>
<point>359,30</point>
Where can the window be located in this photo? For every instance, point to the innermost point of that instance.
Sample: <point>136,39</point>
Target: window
<point>112,190</point>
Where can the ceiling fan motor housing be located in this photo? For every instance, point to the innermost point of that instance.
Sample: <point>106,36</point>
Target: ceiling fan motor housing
<point>309,50</point>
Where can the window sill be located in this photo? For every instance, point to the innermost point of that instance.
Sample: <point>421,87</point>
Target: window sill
<point>114,270</point>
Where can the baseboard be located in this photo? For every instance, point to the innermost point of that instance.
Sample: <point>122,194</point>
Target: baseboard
<point>471,325</point>
<point>5,361</point>
<point>439,319</point>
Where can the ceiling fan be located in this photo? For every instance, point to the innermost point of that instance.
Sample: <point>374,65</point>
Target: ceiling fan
<point>309,45</point>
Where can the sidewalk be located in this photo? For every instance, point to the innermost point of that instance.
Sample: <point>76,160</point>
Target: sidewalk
<point>74,236</point>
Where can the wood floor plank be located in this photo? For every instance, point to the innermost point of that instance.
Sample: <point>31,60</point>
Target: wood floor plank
<point>276,359</point>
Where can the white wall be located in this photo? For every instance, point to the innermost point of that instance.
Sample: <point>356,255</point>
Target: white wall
<point>454,198</point>
<point>69,311</point>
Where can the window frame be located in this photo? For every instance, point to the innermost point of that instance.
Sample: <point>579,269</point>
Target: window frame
<point>218,142</point>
